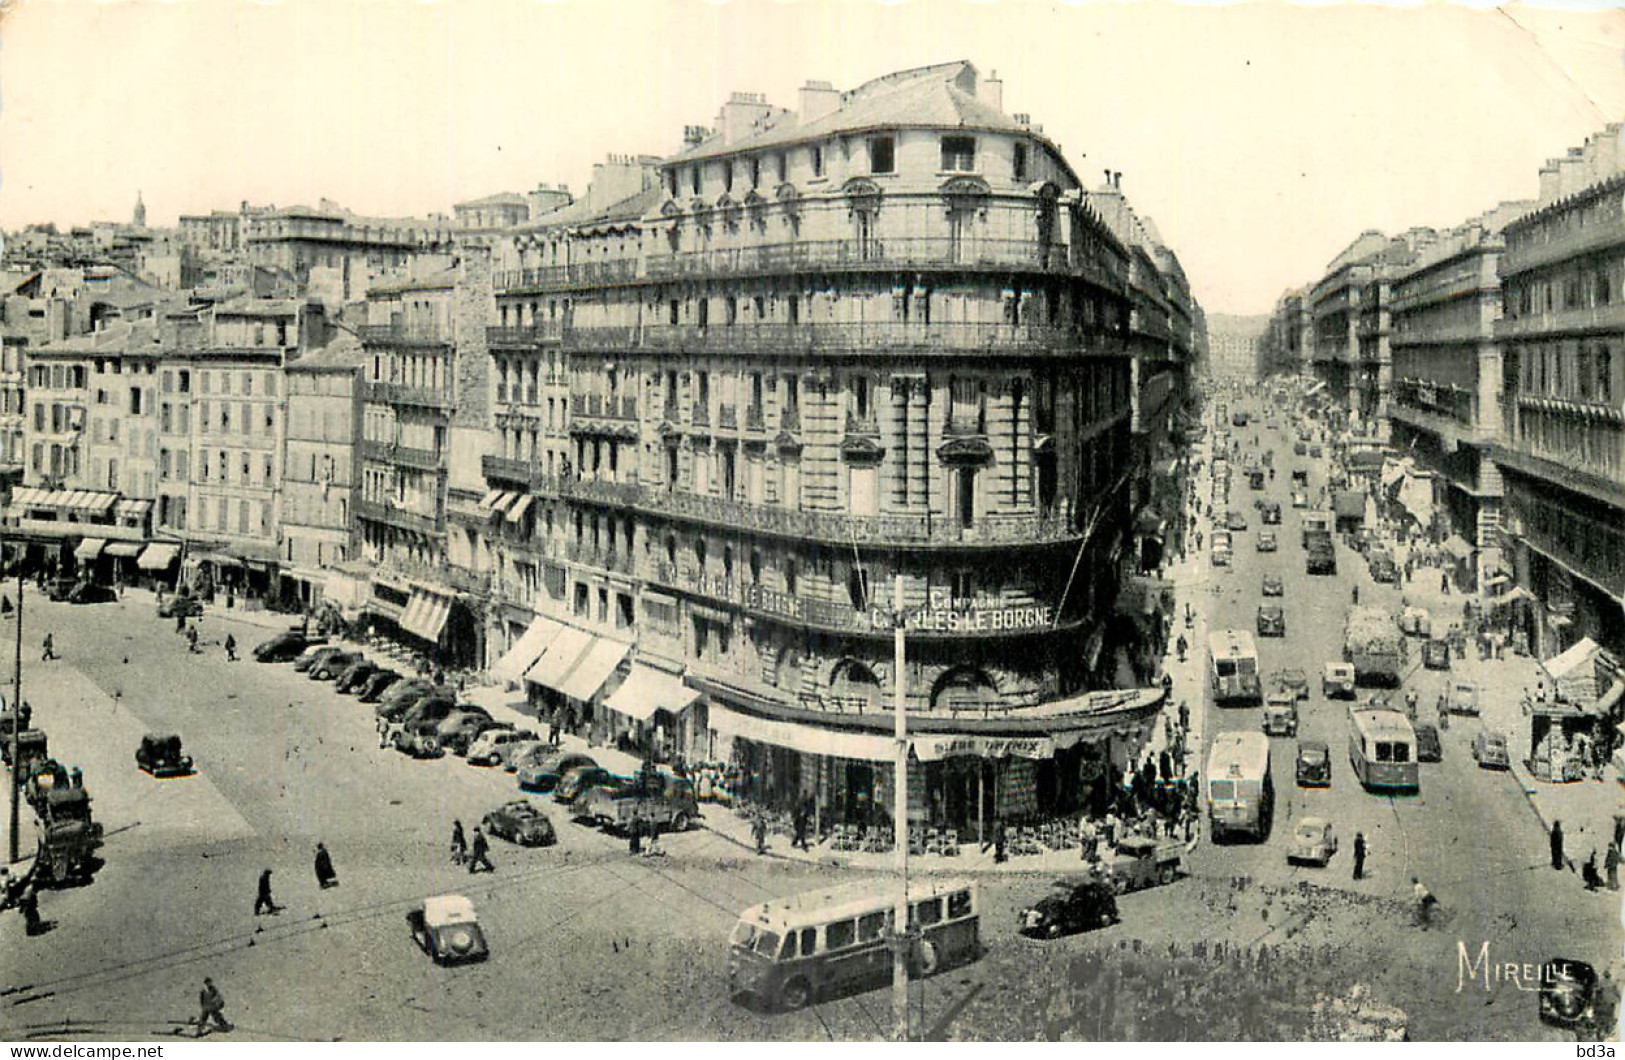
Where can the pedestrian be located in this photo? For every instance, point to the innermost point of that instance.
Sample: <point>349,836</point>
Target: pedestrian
<point>799,823</point>
<point>459,844</point>
<point>50,649</point>
<point>211,1007</point>
<point>1558,860</point>
<point>1444,582</point>
<point>634,837</point>
<point>1589,873</point>
<point>553,729</point>
<point>1356,594</point>
<point>231,648</point>
<point>998,841</point>
<point>758,832</point>
<point>180,623</point>
<point>1610,862</point>
<point>263,904</point>
<point>1184,715</point>
<point>1359,855</point>
<point>191,639</point>
<point>1425,903</point>
<point>1165,766</point>
<point>325,876</point>
<point>479,855</point>
<point>28,905</point>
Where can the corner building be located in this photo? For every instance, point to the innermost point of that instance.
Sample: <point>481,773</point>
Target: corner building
<point>886,335</point>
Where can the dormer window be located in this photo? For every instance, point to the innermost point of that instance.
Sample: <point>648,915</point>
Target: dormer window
<point>883,154</point>
<point>958,154</point>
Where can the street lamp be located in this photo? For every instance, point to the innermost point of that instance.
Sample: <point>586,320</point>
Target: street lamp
<point>16,724</point>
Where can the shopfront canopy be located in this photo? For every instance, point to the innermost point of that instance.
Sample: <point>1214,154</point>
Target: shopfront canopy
<point>1457,546</point>
<point>125,549</point>
<point>594,668</point>
<point>426,613</point>
<point>158,556</point>
<point>793,736</point>
<point>89,549</point>
<point>647,690</point>
<point>526,650</point>
<point>560,658</point>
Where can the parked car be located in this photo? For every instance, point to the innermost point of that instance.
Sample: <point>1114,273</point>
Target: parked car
<point>1314,841</point>
<point>1460,697</point>
<point>160,755</point>
<point>518,754</point>
<point>1271,620</point>
<point>522,823</point>
<point>1337,681</point>
<point>1568,993</point>
<point>400,697</point>
<point>1300,449</point>
<point>61,587</point>
<point>662,801</point>
<point>178,605</point>
<point>1383,568</point>
<point>1313,767</point>
<point>448,930</point>
<point>1490,750</point>
<point>355,676</point>
<point>1428,746</point>
<point>1416,621</point>
<point>315,656</point>
<point>1436,654</point>
<point>284,647</point>
<point>546,774</point>
<point>458,733</point>
<point>1266,541</point>
<point>1270,513</point>
<point>375,686</point>
<point>574,784</point>
<point>91,593</point>
<point>486,749</point>
<point>1273,586</point>
<point>1070,908</point>
<point>329,668</point>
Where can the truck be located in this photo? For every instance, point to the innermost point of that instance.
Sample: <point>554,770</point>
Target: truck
<point>1320,554</point>
<point>69,837</point>
<point>1373,645</point>
<point>655,798</point>
<point>1315,523</point>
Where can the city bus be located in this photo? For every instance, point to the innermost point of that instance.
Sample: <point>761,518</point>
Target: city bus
<point>787,952</point>
<point>1234,667</point>
<point>1240,793</point>
<point>1382,750</point>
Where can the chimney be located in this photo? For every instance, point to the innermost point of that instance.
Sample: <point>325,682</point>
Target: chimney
<point>1549,187</point>
<point>742,111</point>
<point>818,98</point>
<point>991,91</point>
<point>1117,180</point>
<point>1023,119</point>
<point>694,135</point>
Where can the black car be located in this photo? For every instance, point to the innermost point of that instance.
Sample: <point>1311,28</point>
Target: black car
<point>1428,746</point>
<point>1313,767</point>
<point>1436,654</point>
<point>284,647</point>
<point>354,676</point>
<point>376,684</point>
<point>522,823</point>
<point>91,593</point>
<point>178,605</point>
<point>1073,907</point>
<point>1568,993</point>
<point>332,666</point>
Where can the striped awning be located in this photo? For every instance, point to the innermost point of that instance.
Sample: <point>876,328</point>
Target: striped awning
<point>87,502</point>
<point>594,669</point>
<point>526,650</point>
<point>89,549</point>
<point>158,556</point>
<point>132,510</point>
<point>647,690</point>
<point>488,503</point>
<point>561,656</point>
<point>520,507</point>
<point>426,613</point>
<point>28,496</point>
<point>125,549</point>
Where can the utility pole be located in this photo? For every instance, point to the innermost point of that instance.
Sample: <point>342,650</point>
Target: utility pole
<point>900,936</point>
<point>17,723</point>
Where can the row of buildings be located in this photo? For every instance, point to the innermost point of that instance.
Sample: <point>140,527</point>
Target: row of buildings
<point>660,454</point>
<point>1493,356</point>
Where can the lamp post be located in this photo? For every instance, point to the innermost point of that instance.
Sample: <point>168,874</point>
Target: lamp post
<point>900,934</point>
<point>16,724</point>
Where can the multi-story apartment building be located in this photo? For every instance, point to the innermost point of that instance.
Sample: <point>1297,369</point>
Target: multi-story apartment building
<point>1562,455</point>
<point>320,467</point>
<point>1446,390</point>
<point>885,336</point>
<point>361,249</point>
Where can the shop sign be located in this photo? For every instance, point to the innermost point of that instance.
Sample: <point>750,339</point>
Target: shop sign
<point>969,620</point>
<point>935,748</point>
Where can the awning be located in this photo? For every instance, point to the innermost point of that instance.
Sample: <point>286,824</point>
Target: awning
<point>132,510</point>
<point>1498,578</point>
<point>647,690</point>
<point>594,668</point>
<point>834,743</point>
<point>125,549</point>
<point>565,651</point>
<point>517,512</point>
<point>488,502</point>
<point>1517,592</point>
<point>1350,504</point>
<point>502,502</point>
<point>426,613</point>
<point>1457,546</point>
<point>526,650</point>
<point>935,747</point>
<point>1561,666</point>
<point>27,496</point>
<point>1611,697</point>
<point>158,556</point>
<point>344,590</point>
<point>89,549</point>
<point>710,614</point>
<point>89,502</point>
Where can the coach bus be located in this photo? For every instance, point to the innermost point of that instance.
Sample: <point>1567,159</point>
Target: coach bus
<point>1382,750</point>
<point>1240,794</point>
<point>1234,667</point>
<point>787,952</point>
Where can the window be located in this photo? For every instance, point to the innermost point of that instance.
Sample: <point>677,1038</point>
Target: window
<point>959,154</point>
<point>779,161</point>
<point>694,179</point>
<point>840,934</point>
<point>1018,162</point>
<point>872,927</point>
<point>818,161</point>
<point>927,913</point>
<point>959,905</point>
<point>185,381</point>
<point>882,154</point>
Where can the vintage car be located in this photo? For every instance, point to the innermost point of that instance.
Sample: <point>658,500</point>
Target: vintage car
<point>1313,766</point>
<point>1490,750</point>
<point>486,750</point>
<point>381,681</point>
<point>1313,842</point>
<point>522,823</point>
<point>1383,567</point>
<point>1460,697</point>
<point>1273,586</point>
<point>578,781</point>
<point>458,732</point>
<point>1270,513</point>
<point>1280,713</point>
<point>331,666</point>
<point>91,593</point>
<point>448,930</point>
<point>1300,448</point>
<point>178,605</point>
<point>160,755</point>
<point>354,676</point>
<point>1314,452</point>
<point>1221,554</point>
<point>33,747</point>
<point>1436,654</point>
<point>658,801</point>
<point>1267,541</point>
<point>1234,520</point>
<point>546,774</point>
<point>1337,681</point>
<point>1300,499</point>
<point>284,647</point>
<point>1416,622</point>
<point>402,696</point>
<point>1291,679</point>
<point>315,656</point>
<point>1271,620</point>
<point>1071,907</point>
<point>1428,746</point>
<point>518,754</point>
<point>1139,862</point>
<point>1568,993</point>
<point>1300,477</point>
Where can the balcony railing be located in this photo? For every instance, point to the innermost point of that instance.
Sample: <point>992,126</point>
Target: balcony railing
<point>529,335</point>
<point>865,425</point>
<point>727,417</point>
<point>1520,456</point>
<point>702,414</point>
<point>401,394</point>
<point>875,530</point>
<point>588,272</point>
<point>423,334</point>
<point>912,338</point>
<point>754,421</point>
<point>618,561</point>
<point>790,419</point>
<point>396,516</point>
<point>507,469</point>
<point>1595,318</point>
<point>401,456</point>
<point>1522,255</point>
<point>915,252</point>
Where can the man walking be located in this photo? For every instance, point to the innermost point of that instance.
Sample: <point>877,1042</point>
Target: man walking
<point>799,822</point>
<point>263,904</point>
<point>1610,863</point>
<point>325,875</point>
<point>211,1006</point>
<point>1558,861</point>
<point>758,832</point>
<point>50,650</point>
<point>479,855</point>
<point>1359,855</point>
<point>231,648</point>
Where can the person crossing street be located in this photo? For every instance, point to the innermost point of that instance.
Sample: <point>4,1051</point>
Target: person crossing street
<point>211,1007</point>
<point>479,855</point>
<point>231,648</point>
<point>49,652</point>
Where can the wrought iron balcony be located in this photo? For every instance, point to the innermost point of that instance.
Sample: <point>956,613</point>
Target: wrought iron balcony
<point>397,516</point>
<point>915,340</point>
<point>618,561</point>
<point>427,333</point>
<point>850,254</point>
<point>401,394</point>
<point>561,276</point>
<point>755,423</point>
<point>402,456</point>
<point>525,336</point>
<point>1594,318</point>
<point>507,469</point>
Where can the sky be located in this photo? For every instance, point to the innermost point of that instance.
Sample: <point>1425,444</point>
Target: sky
<point>1261,138</point>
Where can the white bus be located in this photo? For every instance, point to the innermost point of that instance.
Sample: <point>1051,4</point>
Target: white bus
<point>1382,750</point>
<point>1234,667</point>
<point>1240,793</point>
<point>787,952</point>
